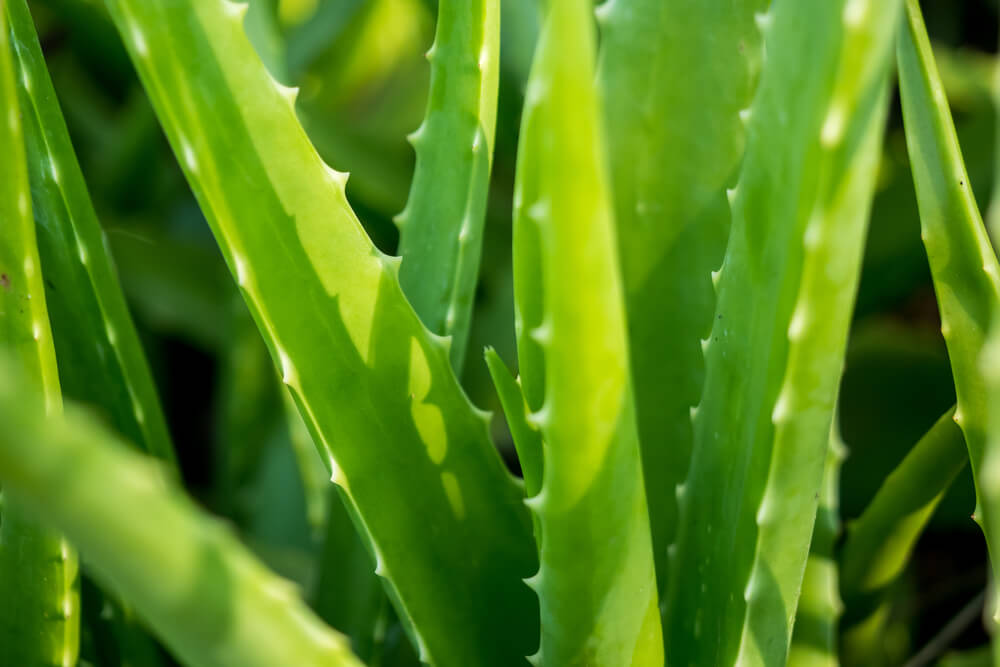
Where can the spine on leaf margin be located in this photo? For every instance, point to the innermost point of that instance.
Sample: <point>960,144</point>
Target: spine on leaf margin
<point>596,582</point>
<point>39,593</point>
<point>375,388</point>
<point>441,228</point>
<point>773,362</point>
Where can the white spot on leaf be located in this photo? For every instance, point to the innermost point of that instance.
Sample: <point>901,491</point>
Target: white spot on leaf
<point>189,158</point>
<point>139,40</point>
<point>288,374</point>
<point>833,126</point>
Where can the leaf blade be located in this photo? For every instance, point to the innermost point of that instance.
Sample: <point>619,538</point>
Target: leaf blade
<point>375,388</point>
<point>210,600</point>
<point>40,614</point>
<point>596,582</point>
<point>441,228</point>
<point>964,266</point>
<point>671,212</point>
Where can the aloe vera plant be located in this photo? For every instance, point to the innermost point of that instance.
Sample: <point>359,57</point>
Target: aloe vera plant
<point>669,210</point>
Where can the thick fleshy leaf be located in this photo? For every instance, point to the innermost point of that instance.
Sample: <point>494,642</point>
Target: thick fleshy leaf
<point>194,583</point>
<point>879,542</point>
<point>963,264</point>
<point>596,583</point>
<point>786,290</point>
<point>374,386</point>
<point>39,594</point>
<point>441,229</point>
<point>815,638</point>
<point>674,89</point>
<point>101,360</point>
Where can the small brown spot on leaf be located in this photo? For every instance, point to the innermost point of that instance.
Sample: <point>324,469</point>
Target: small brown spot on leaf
<point>5,281</point>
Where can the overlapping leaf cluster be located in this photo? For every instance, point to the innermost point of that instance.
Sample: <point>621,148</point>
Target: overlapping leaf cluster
<point>690,206</point>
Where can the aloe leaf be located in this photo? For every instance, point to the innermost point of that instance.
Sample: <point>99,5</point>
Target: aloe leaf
<point>374,386</point>
<point>441,228</point>
<point>964,267</point>
<point>675,141</point>
<point>100,357</point>
<point>526,436</point>
<point>186,574</point>
<point>990,367</point>
<point>880,541</point>
<point>773,359</point>
<point>40,613</point>
<point>815,638</point>
<point>596,583</point>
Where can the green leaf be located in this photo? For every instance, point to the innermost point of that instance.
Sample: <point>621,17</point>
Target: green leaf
<point>674,88</point>
<point>374,386</point>
<point>596,583</point>
<point>101,360</point>
<point>441,228</point>
<point>197,586</point>
<point>40,612</point>
<point>963,264</point>
<point>880,541</point>
<point>786,290</point>
<point>815,637</point>
<point>526,436</point>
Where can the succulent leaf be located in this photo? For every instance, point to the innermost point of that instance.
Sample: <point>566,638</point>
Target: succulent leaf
<point>815,636</point>
<point>786,289</point>
<point>211,601</point>
<point>963,263</point>
<point>374,386</point>
<point>527,438</point>
<point>101,360</point>
<point>40,613</point>
<point>596,584</point>
<point>880,541</point>
<point>441,228</point>
<point>674,92</point>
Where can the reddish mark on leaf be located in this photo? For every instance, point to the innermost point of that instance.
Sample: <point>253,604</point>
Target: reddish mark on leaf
<point>5,281</point>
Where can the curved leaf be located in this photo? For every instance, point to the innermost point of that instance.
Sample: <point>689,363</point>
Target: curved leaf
<point>880,541</point>
<point>441,228</point>
<point>206,596</point>
<point>596,583</point>
<point>101,360</point>
<point>786,289</point>
<point>963,264</point>
<point>374,386</point>
<point>40,608</point>
<point>675,76</point>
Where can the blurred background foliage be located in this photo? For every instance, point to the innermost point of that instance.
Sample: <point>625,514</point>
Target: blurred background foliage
<point>363,80</point>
